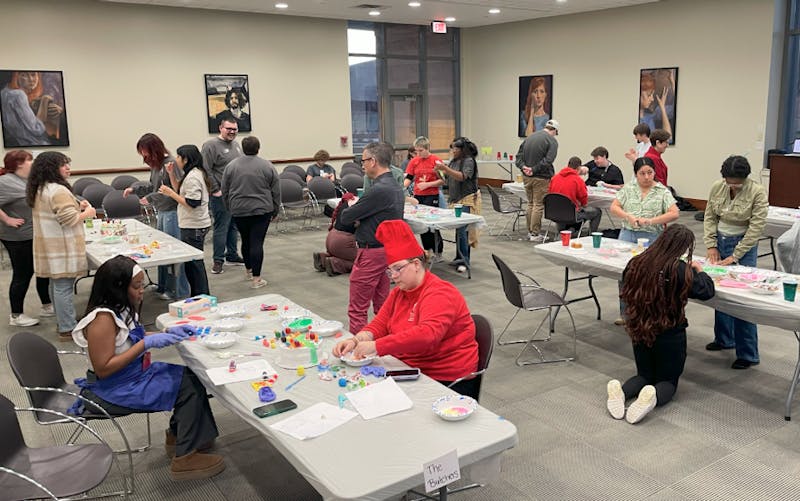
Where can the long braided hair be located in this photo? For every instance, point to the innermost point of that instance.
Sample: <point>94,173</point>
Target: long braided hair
<point>651,304</point>
<point>343,202</point>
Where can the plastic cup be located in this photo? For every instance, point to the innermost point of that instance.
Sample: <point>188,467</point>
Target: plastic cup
<point>458,209</point>
<point>359,192</point>
<point>519,178</point>
<point>597,238</point>
<point>789,289</point>
<point>643,242</point>
<point>565,236</point>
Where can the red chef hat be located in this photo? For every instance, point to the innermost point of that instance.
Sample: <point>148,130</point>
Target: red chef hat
<point>398,240</point>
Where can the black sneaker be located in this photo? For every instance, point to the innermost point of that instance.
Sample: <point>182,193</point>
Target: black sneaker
<point>741,363</point>
<point>715,346</point>
<point>217,268</point>
<point>235,260</point>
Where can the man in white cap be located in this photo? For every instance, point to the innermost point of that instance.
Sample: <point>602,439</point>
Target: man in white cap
<point>535,159</point>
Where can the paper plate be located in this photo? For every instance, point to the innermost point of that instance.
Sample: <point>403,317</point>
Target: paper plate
<point>219,340</point>
<point>111,239</point>
<point>454,407</point>
<point>230,324</point>
<point>621,247</point>
<point>349,360</point>
<point>765,289</point>
<point>733,284</point>
<point>231,310</point>
<point>327,328</point>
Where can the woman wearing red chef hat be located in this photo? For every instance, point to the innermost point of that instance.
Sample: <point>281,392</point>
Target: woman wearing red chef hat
<point>424,322</point>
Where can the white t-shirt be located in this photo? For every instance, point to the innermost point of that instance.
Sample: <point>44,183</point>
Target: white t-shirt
<point>194,187</point>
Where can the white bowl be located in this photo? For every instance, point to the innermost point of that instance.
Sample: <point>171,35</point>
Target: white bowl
<point>231,310</point>
<point>352,362</point>
<point>327,328</point>
<point>219,340</point>
<point>454,407</point>
<point>230,324</point>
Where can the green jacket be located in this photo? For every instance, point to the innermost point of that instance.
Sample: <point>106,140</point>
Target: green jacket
<point>749,209</point>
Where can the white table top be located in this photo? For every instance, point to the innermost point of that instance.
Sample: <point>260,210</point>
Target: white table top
<point>367,460</point>
<point>766,310</point>
<point>779,220</point>
<point>598,197</point>
<point>423,218</point>
<point>170,250</point>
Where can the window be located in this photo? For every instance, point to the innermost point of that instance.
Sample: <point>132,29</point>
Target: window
<point>404,83</point>
<point>790,105</point>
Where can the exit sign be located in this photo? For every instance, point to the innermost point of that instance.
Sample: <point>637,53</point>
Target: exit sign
<point>439,27</point>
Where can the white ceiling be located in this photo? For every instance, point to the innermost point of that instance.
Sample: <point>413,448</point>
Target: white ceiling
<point>468,13</point>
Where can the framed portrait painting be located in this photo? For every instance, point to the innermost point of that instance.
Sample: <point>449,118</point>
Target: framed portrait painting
<point>32,109</point>
<point>228,97</point>
<point>658,99</point>
<point>535,103</point>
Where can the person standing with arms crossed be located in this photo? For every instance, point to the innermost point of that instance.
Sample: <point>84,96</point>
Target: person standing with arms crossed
<point>385,201</point>
<point>217,154</point>
<point>535,160</point>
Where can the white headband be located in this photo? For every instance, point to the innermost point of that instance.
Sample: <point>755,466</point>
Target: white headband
<point>136,270</point>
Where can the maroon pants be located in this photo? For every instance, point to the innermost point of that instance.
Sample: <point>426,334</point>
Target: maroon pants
<point>341,249</point>
<point>368,283</point>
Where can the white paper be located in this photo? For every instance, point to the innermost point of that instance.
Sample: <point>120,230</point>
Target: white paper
<point>245,371</point>
<point>442,471</point>
<point>379,399</point>
<point>316,420</point>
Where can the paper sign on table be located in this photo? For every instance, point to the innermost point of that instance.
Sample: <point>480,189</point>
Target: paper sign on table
<point>379,399</point>
<point>316,420</point>
<point>244,372</point>
<point>442,471</point>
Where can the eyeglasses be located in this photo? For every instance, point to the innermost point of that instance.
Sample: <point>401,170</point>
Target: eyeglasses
<point>231,129</point>
<point>392,272</point>
<point>368,158</point>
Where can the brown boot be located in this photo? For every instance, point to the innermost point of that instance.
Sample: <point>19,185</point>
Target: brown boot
<point>196,466</point>
<point>65,337</point>
<point>170,440</point>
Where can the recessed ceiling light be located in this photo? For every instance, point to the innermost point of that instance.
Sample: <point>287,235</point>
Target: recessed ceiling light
<point>281,5</point>
<point>561,1</point>
<point>414,4</point>
<point>450,19</point>
<point>494,11</point>
<point>374,13</point>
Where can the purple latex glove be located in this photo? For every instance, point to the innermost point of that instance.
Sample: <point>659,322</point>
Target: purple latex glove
<point>184,330</point>
<point>161,340</point>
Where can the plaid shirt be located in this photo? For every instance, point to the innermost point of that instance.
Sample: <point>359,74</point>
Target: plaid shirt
<point>59,243</point>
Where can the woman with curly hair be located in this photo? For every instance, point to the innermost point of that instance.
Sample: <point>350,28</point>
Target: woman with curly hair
<point>657,284</point>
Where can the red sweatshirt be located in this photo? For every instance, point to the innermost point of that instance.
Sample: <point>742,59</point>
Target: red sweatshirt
<point>567,182</point>
<point>661,167</point>
<point>423,171</point>
<point>430,328</point>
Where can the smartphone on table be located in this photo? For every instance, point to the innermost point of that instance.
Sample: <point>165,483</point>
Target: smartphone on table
<point>274,408</point>
<point>403,374</point>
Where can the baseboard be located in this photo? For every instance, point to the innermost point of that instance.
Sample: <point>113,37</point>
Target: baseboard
<point>698,203</point>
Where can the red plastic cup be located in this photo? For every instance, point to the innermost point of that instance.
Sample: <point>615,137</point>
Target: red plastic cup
<point>565,236</point>
<point>499,155</point>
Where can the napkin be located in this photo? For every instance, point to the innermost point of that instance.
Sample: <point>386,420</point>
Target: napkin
<point>379,399</point>
<point>245,371</point>
<point>315,421</point>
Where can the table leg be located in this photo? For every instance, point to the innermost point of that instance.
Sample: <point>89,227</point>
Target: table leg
<point>610,219</point>
<point>592,296</point>
<point>792,387</point>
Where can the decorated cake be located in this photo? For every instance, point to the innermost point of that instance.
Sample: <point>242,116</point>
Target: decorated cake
<point>298,348</point>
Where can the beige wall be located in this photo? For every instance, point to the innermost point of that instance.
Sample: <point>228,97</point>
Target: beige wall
<point>133,69</point>
<point>722,49</point>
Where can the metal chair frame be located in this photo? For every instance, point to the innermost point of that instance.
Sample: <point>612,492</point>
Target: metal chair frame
<point>497,205</point>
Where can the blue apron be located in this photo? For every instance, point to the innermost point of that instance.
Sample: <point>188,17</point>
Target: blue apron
<point>135,386</point>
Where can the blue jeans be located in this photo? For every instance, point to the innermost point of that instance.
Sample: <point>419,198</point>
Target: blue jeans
<point>195,270</point>
<point>62,294</point>
<point>730,331</point>
<point>462,240</point>
<point>225,234</point>
<point>176,283</point>
<point>631,236</point>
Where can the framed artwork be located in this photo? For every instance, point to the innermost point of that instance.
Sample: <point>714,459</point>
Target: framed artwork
<point>658,99</point>
<point>535,103</point>
<point>32,109</point>
<point>228,97</point>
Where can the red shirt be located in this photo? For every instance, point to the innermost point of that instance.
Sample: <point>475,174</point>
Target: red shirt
<point>567,182</point>
<point>423,172</point>
<point>429,327</point>
<point>660,166</point>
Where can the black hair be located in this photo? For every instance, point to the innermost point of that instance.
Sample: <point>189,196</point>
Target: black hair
<point>239,91</point>
<point>467,147</point>
<point>110,288</point>
<point>191,155</point>
<point>735,166</point>
<point>641,162</point>
<point>46,169</point>
<point>600,151</point>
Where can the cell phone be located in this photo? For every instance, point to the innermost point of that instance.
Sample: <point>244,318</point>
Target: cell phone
<point>403,374</point>
<point>274,408</point>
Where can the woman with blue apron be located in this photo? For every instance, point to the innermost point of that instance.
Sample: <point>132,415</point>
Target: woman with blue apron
<point>122,380</point>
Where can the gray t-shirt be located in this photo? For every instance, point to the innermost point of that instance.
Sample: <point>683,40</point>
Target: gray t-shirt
<point>12,202</point>
<point>459,189</point>
<point>250,187</point>
<point>160,177</point>
<point>216,155</point>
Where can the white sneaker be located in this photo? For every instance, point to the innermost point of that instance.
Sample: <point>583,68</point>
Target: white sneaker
<point>461,268</point>
<point>645,403</point>
<point>22,320</point>
<point>536,238</point>
<point>616,399</point>
<point>257,285</point>
<point>47,310</point>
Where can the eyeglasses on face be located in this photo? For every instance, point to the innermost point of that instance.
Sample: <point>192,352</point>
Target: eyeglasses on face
<point>367,158</point>
<point>394,271</point>
<point>231,129</point>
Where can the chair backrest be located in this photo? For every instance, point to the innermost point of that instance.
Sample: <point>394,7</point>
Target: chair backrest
<point>297,170</point>
<point>291,191</point>
<point>94,193</point>
<point>13,441</point>
<point>351,168</point>
<point>117,206</point>
<point>559,209</point>
<point>142,188</point>
<point>81,184</point>
<point>123,181</point>
<point>510,282</point>
<point>485,338</point>
<point>34,362</point>
<point>352,182</point>
<point>495,199</point>
<point>322,188</point>
<point>293,176</point>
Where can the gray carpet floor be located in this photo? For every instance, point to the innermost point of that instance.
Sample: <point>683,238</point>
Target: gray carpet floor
<point>723,437</point>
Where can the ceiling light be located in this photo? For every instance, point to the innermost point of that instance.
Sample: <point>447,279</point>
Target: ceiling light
<point>450,19</point>
<point>281,5</point>
<point>374,13</point>
<point>414,4</point>
<point>494,11</point>
<point>561,1</point>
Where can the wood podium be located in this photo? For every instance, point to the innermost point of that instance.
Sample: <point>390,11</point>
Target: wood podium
<point>784,180</point>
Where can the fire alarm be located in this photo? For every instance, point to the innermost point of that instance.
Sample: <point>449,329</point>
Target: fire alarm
<point>439,27</point>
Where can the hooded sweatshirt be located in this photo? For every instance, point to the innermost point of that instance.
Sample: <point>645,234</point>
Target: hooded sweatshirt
<point>567,182</point>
